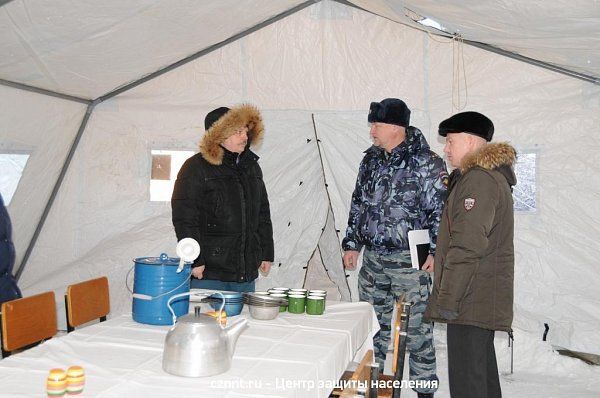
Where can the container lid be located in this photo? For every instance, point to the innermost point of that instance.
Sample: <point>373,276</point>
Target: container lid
<point>164,259</point>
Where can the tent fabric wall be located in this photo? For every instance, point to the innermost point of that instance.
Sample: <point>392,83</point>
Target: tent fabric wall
<point>44,127</point>
<point>559,32</point>
<point>328,256</point>
<point>108,181</point>
<point>333,60</point>
<point>37,38</point>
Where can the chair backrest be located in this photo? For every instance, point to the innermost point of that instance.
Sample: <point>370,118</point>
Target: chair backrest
<point>28,320</point>
<point>361,375</point>
<point>396,331</point>
<point>87,301</point>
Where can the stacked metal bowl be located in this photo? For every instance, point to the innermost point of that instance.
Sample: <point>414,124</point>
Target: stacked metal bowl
<point>233,302</point>
<point>263,307</point>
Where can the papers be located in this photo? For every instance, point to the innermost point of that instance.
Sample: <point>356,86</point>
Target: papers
<point>418,242</point>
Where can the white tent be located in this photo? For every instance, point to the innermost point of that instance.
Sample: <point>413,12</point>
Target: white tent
<point>89,89</point>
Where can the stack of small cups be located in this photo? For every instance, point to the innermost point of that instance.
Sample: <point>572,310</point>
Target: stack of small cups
<point>75,380</point>
<point>315,302</point>
<point>56,383</point>
<point>279,292</point>
<point>299,300</point>
<point>60,382</point>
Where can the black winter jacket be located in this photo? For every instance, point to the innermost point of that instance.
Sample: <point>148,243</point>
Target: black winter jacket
<point>226,209</point>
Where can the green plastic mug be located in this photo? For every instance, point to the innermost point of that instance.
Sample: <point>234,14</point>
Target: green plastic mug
<point>321,293</point>
<point>296,303</point>
<point>315,305</point>
<point>282,308</point>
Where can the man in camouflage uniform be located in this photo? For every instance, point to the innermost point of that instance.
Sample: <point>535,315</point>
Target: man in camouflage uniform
<point>400,187</point>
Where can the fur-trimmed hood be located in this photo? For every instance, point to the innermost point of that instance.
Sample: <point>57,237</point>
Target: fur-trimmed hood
<point>499,156</point>
<point>237,117</point>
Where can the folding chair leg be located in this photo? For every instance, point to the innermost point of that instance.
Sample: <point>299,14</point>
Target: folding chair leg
<point>374,378</point>
<point>4,352</point>
<point>405,317</point>
<point>69,327</point>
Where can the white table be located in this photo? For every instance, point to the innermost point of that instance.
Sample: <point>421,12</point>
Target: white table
<point>290,356</point>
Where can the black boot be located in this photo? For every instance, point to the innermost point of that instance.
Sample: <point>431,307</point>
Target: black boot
<point>425,394</point>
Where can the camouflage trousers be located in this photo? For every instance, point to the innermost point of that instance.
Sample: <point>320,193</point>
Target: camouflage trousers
<point>381,281</point>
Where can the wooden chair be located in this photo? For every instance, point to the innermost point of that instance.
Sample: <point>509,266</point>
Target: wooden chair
<point>27,321</point>
<point>87,301</point>
<point>397,337</point>
<point>361,377</point>
<point>396,333</point>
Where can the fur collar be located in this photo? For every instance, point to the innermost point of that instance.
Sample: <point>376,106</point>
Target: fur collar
<point>490,156</point>
<point>238,116</point>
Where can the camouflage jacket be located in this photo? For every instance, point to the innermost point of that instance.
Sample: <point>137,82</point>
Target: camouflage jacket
<point>396,193</point>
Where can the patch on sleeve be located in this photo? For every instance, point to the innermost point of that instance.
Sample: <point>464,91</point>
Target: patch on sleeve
<point>469,203</point>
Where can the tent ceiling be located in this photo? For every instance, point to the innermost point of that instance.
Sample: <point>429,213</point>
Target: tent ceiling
<point>88,48</point>
<point>565,33</point>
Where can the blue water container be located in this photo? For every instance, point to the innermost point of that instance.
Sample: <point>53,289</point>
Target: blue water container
<point>157,278</point>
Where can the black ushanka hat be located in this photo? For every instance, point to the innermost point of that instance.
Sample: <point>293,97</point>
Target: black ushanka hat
<point>468,122</point>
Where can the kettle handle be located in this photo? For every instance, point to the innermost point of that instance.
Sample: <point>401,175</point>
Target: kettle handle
<point>174,317</point>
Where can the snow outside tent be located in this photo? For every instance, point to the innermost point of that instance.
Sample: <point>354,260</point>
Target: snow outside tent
<point>92,93</point>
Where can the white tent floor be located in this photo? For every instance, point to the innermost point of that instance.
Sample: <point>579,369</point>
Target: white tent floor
<point>539,371</point>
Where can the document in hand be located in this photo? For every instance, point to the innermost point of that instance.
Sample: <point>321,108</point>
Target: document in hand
<point>418,241</point>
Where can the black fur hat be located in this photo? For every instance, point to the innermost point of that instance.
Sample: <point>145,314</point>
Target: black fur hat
<point>214,115</point>
<point>390,111</point>
<point>468,122</point>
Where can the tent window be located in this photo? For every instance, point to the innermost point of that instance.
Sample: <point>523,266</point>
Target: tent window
<point>425,21</point>
<point>165,166</point>
<point>524,193</point>
<point>431,23</point>
<point>12,166</point>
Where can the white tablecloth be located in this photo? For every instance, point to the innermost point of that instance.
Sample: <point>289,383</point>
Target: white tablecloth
<point>290,356</point>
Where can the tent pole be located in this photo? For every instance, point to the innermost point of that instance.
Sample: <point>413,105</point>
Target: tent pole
<point>43,91</point>
<point>57,185</point>
<point>318,142</point>
<point>532,61</point>
<point>166,69</point>
<point>489,47</point>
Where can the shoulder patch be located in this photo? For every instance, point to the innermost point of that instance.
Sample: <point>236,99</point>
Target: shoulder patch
<point>469,203</point>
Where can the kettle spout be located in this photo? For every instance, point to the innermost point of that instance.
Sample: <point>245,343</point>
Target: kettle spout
<point>233,332</point>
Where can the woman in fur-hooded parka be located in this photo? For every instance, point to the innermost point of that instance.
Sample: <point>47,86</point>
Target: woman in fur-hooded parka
<point>220,200</point>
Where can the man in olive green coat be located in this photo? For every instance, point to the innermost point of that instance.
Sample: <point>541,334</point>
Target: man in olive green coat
<point>474,260</point>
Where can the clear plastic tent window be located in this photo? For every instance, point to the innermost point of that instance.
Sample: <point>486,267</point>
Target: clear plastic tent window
<point>524,193</point>
<point>165,166</point>
<point>12,166</point>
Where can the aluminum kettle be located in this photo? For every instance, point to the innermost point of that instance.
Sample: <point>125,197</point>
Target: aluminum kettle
<point>198,346</point>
